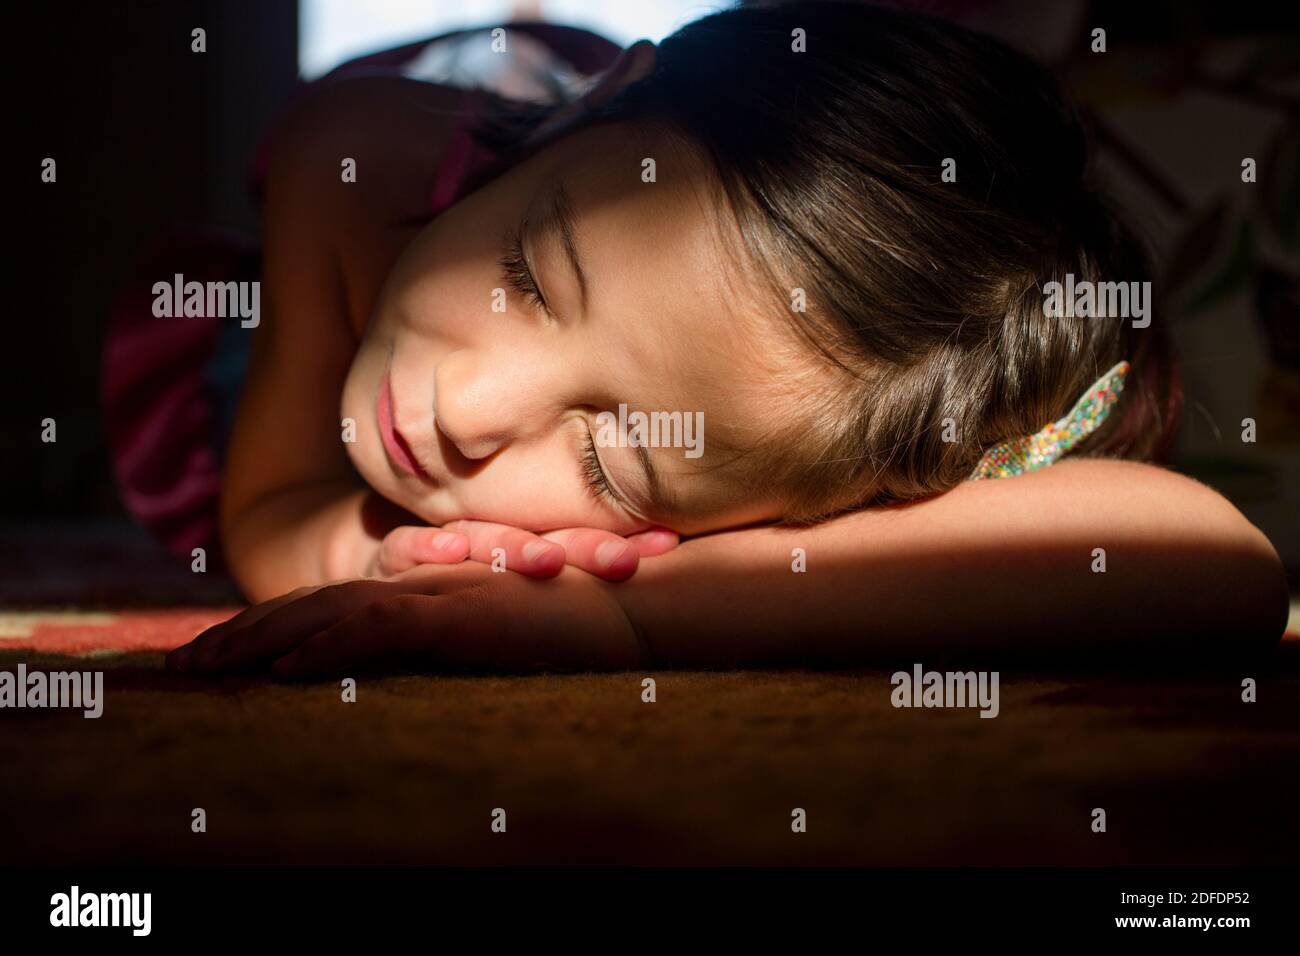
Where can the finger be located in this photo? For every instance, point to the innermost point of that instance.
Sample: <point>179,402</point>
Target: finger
<point>502,623</point>
<point>654,542</point>
<point>522,551</point>
<point>405,547</point>
<point>602,553</point>
<point>462,630</point>
<point>179,657</point>
<point>282,629</point>
<point>401,629</point>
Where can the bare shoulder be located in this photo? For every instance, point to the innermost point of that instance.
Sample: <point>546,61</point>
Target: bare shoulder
<point>350,169</point>
<point>393,130</point>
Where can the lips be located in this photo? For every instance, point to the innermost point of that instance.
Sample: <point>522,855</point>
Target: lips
<point>399,452</point>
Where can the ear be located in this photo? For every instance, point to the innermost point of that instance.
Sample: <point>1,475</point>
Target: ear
<point>634,63</point>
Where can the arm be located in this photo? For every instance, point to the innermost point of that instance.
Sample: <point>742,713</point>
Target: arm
<point>1185,571</point>
<point>292,512</point>
<point>992,566</point>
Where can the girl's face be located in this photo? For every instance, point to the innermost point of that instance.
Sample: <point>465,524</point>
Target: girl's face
<point>608,290</point>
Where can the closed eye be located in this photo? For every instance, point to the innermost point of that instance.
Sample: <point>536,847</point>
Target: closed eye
<point>602,488</point>
<point>517,273</point>
<point>593,475</point>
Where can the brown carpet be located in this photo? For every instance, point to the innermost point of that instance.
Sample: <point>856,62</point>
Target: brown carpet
<point>586,772</point>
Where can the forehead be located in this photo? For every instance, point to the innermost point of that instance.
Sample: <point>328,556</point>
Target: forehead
<point>687,322</point>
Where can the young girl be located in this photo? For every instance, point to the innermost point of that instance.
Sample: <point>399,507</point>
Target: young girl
<point>823,231</point>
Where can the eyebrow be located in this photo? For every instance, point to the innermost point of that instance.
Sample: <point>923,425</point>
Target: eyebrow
<point>559,215</point>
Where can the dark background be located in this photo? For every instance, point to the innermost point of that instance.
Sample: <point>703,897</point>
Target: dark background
<point>148,135</point>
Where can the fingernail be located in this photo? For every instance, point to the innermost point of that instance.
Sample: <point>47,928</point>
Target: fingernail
<point>444,541</point>
<point>534,550</point>
<point>608,553</point>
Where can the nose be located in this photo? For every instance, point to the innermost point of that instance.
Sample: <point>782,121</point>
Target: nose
<point>485,401</point>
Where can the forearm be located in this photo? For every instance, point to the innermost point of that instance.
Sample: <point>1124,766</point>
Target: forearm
<point>993,567</point>
<point>304,536</point>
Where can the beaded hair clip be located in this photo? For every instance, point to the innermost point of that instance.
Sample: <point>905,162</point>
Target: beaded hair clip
<point>1057,439</point>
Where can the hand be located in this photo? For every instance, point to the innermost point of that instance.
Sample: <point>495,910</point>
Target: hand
<point>602,553</point>
<point>446,618</point>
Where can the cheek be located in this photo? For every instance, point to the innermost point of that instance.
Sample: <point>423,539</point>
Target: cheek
<point>537,493</point>
<point>363,377</point>
<point>447,307</point>
<point>442,281</point>
<point>457,260</point>
<point>358,404</point>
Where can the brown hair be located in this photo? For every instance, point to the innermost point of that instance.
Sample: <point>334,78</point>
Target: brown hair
<point>925,295</point>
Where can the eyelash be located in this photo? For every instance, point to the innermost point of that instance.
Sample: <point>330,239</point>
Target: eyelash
<point>592,474</point>
<point>520,278</point>
<point>516,272</point>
